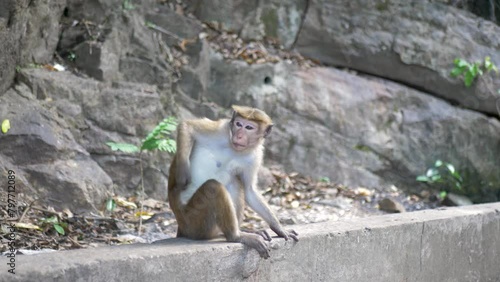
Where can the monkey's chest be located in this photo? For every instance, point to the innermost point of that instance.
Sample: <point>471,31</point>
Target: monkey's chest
<point>214,163</point>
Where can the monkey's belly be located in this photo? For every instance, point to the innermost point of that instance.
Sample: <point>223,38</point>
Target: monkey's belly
<point>206,165</point>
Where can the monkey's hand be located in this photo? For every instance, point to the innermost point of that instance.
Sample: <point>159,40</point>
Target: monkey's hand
<point>183,175</point>
<point>286,234</point>
<point>264,234</point>
<point>257,242</point>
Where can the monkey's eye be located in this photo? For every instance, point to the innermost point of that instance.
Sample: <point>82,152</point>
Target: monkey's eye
<point>249,127</point>
<point>238,124</point>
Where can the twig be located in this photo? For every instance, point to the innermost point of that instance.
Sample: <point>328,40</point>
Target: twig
<point>141,197</point>
<point>47,211</point>
<point>164,31</point>
<point>75,242</point>
<point>26,210</point>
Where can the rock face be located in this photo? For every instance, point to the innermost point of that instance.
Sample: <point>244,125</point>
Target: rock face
<point>412,43</point>
<point>42,151</point>
<point>29,32</point>
<point>359,130</point>
<point>133,66</point>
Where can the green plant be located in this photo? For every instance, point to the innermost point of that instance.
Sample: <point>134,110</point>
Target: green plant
<point>150,24</point>
<point>56,224</point>
<point>324,179</point>
<point>444,175</point>
<point>158,139</point>
<point>471,70</point>
<point>71,56</point>
<point>127,5</point>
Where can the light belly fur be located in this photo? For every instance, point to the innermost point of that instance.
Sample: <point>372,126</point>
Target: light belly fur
<point>205,165</point>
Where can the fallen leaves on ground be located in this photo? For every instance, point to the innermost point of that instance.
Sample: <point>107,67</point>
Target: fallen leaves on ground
<point>295,198</point>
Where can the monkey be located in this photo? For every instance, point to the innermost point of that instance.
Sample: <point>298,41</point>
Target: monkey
<point>214,172</point>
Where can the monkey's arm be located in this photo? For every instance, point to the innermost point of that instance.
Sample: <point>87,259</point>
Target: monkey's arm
<point>187,132</point>
<point>256,202</point>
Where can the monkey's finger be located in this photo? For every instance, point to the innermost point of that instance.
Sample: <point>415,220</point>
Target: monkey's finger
<point>264,235</point>
<point>264,251</point>
<point>294,235</point>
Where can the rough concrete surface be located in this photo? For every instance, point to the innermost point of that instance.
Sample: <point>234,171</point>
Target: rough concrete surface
<point>453,244</point>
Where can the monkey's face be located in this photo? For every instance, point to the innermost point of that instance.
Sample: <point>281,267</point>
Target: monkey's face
<point>245,134</point>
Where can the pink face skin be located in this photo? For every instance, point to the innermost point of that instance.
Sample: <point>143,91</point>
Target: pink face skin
<point>245,134</point>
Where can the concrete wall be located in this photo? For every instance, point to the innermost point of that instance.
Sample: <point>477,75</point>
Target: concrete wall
<point>454,244</point>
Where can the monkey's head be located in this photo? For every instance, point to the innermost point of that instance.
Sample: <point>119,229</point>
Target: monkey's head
<point>248,127</point>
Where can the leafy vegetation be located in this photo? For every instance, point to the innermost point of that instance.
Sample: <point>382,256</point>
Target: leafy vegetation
<point>127,5</point>
<point>5,126</point>
<point>444,176</point>
<point>158,139</point>
<point>58,225</point>
<point>472,70</point>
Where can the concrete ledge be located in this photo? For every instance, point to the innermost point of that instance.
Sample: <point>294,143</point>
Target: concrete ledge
<point>454,244</point>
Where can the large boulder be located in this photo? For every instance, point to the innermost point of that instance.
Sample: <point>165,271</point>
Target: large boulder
<point>411,42</point>
<point>99,113</point>
<point>41,150</point>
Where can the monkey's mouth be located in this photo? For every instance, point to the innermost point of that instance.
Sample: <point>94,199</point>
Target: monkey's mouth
<point>238,147</point>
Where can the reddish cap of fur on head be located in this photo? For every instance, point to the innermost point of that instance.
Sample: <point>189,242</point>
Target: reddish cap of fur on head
<point>253,114</point>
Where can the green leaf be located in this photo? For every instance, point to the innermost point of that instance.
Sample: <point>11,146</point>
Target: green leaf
<point>324,179</point>
<point>487,63</point>
<point>110,205</point>
<point>461,63</point>
<point>150,144</point>
<point>431,172</point>
<point>5,126</point>
<point>423,178</point>
<point>458,71</point>
<point>52,219</point>
<point>438,163</point>
<point>166,126</point>
<point>469,78</point>
<point>158,137</point>
<point>127,5</point>
<point>435,178</point>
<point>450,167</point>
<point>443,194</point>
<point>59,229</point>
<point>124,147</point>
<point>457,176</point>
<point>168,145</point>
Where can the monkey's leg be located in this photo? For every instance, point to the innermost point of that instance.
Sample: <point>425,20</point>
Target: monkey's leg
<point>211,207</point>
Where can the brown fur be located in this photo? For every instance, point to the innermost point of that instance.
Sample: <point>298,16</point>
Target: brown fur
<point>253,114</point>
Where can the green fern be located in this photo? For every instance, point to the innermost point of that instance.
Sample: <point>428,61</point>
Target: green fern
<point>157,139</point>
<point>124,147</point>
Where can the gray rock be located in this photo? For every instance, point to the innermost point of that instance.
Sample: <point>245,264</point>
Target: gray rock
<point>42,151</point>
<point>391,205</point>
<point>254,20</point>
<point>99,113</point>
<point>412,42</point>
<point>29,32</point>
<point>338,202</point>
<point>452,199</point>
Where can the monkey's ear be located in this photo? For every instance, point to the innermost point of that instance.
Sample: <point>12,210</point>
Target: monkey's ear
<point>268,130</point>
